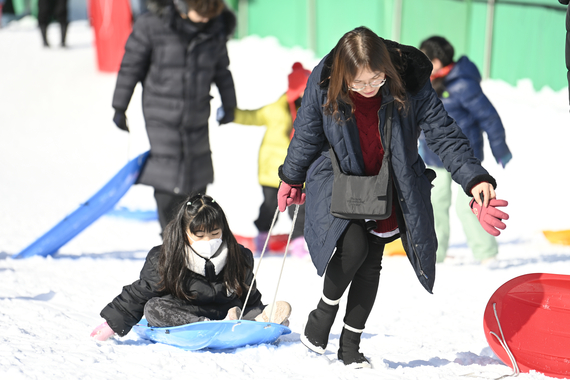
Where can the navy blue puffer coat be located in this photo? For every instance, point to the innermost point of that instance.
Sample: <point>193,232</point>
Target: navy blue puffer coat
<point>466,103</point>
<point>308,161</point>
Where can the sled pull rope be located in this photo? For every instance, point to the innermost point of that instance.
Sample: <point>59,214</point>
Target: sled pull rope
<point>261,258</point>
<point>283,263</point>
<point>503,342</point>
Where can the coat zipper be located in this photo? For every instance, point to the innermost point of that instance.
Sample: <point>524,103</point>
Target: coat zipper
<point>399,200</point>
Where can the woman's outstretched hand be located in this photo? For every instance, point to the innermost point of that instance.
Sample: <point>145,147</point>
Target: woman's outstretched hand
<point>490,217</point>
<point>102,332</point>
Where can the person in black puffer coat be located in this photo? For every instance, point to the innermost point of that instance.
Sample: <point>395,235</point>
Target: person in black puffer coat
<point>345,106</point>
<point>177,50</point>
<point>200,273</point>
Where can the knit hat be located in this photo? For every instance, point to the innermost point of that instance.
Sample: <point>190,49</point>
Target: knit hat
<point>297,83</point>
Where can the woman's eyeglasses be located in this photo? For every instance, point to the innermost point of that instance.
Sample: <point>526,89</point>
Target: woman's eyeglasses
<point>372,84</point>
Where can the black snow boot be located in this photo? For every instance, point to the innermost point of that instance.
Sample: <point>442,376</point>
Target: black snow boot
<point>43,29</point>
<point>348,350</point>
<point>318,327</point>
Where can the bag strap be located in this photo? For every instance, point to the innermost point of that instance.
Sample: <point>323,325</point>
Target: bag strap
<point>387,140</point>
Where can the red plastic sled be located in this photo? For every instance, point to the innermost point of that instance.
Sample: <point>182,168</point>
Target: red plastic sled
<point>531,315</point>
<point>277,243</point>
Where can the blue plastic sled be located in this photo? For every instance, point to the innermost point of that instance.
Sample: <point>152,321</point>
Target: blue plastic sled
<point>215,335</point>
<point>87,213</point>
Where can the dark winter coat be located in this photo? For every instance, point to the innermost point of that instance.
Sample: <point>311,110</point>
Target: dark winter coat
<point>177,62</point>
<point>213,299</point>
<point>308,161</point>
<point>465,102</point>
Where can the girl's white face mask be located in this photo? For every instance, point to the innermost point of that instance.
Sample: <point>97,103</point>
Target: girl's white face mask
<point>206,248</point>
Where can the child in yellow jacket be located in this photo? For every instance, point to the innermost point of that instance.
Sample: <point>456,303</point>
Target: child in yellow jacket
<point>278,118</point>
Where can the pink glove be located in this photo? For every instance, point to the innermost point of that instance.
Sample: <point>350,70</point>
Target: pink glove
<point>288,195</point>
<point>102,332</point>
<point>489,217</point>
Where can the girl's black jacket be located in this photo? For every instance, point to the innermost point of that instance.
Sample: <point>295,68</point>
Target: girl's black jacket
<point>213,298</point>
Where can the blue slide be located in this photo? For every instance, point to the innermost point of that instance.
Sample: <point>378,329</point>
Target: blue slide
<point>214,335</point>
<point>87,213</point>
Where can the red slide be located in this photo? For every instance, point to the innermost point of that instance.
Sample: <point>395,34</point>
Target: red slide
<point>530,314</point>
<point>112,22</point>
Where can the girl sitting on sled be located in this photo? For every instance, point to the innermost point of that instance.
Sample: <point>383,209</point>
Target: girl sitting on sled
<point>199,273</point>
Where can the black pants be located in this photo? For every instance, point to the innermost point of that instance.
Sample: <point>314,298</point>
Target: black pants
<point>52,8</point>
<point>357,262</point>
<point>167,205</point>
<point>267,211</point>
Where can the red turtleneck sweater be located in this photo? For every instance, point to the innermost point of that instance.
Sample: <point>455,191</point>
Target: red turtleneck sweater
<point>366,116</point>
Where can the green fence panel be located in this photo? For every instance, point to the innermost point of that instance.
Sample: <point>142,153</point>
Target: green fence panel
<point>25,7</point>
<point>426,18</point>
<point>528,35</point>
<point>286,20</point>
<point>529,43</point>
<point>336,17</point>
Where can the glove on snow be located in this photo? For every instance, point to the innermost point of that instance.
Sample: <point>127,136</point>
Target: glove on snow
<point>288,195</point>
<point>102,332</point>
<point>120,119</point>
<point>489,217</point>
<point>225,115</point>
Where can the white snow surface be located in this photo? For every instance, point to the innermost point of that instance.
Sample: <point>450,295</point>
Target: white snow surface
<point>58,146</point>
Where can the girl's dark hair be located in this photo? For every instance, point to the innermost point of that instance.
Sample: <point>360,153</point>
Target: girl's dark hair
<point>198,213</point>
<point>359,49</point>
<point>440,48</point>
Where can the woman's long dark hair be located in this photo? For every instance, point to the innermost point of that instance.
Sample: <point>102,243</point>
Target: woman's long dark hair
<point>198,213</point>
<point>359,49</point>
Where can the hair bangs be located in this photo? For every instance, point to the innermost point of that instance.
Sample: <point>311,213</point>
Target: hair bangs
<point>207,219</point>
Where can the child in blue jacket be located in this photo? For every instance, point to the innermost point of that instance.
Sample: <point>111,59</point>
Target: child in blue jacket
<point>458,86</point>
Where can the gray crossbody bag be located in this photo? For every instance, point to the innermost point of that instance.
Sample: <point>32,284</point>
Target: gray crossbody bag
<point>364,197</point>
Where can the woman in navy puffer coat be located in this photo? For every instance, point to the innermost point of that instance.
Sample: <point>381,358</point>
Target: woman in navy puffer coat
<point>365,71</point>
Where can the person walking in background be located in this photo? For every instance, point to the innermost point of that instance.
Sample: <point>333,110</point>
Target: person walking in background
<point>177,50</point>
<point>48,9</point>
<point>278,118</point>
<point>200,273</point>
<point>458,86</point>
<point>345,106</point>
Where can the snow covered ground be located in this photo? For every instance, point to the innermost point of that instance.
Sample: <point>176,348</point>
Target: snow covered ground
<point>58,146</point>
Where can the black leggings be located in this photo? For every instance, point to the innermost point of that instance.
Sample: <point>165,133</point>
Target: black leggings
<point>357,260</point>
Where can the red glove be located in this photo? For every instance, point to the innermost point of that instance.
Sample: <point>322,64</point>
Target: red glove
<point>288,195</point>
<point>489,217</point>
<point>102,332</point>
